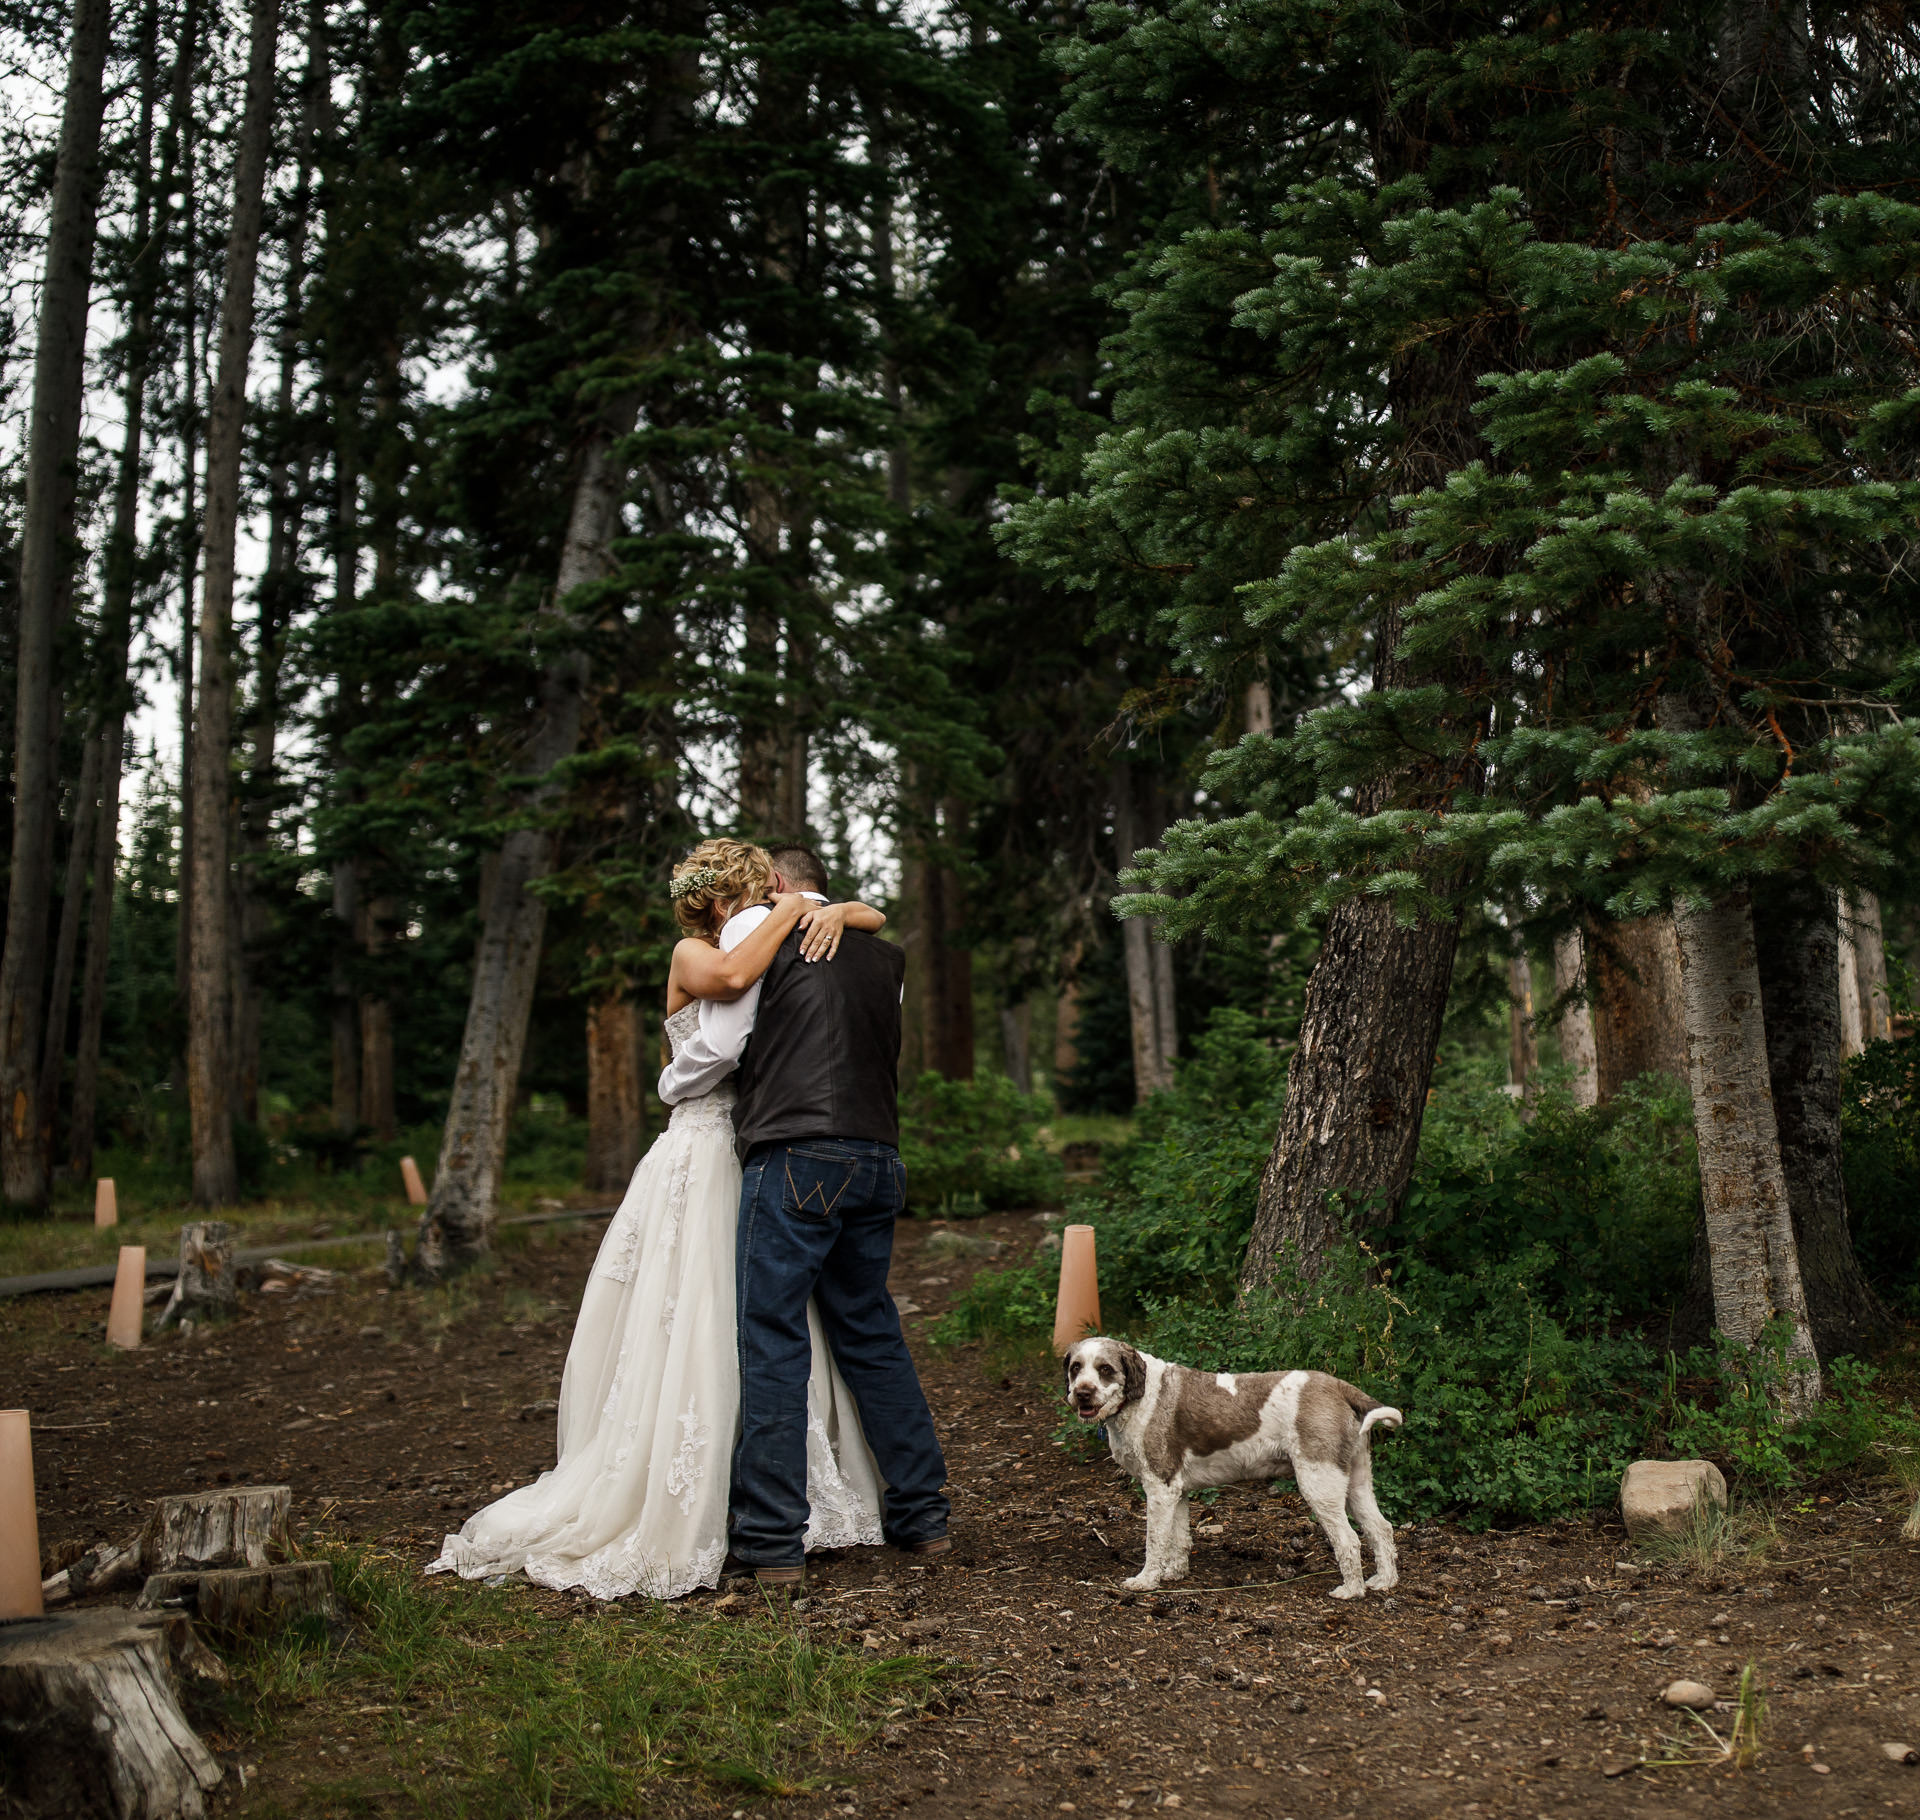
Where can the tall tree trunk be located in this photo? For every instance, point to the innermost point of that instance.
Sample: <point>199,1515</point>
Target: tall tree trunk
<point>1633,973</point>
<point>209,1027</point>
<point>377,1110</point>
<point>1066,1026</point>
<point>1357,1082</point>
<point>151,211</point>
<point>1576,1019</point>
<point>1523,1042</point>
<point>1796,936</point>
<point>46,537</point>
<point>66,947</point>
<point>1136,946</point>
<point>1016,1033</point>
<point>615,1117</point>
<point>1752,1255</point>
<point>457,1226</point>
<point>1866,1014</point>
<point>93,984</point>
<point>345,1005</point>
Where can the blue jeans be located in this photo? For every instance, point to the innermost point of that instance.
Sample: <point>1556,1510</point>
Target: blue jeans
<point>816,1220</point>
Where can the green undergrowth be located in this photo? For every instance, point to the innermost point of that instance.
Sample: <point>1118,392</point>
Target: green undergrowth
<point>478,1702</point>
<point>973,1147</point>
<point>1508,1311</point>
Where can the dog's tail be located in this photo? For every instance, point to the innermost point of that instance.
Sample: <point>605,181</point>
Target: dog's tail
<point>1372,1414</point>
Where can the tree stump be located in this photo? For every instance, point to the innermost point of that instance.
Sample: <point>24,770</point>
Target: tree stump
<point>90,1720</point>
<point>237,1601</point>
<point>205,1289</point>
<point>235,1526</point>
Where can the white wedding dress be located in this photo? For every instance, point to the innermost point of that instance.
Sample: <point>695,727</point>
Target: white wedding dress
<point>650,1401</point>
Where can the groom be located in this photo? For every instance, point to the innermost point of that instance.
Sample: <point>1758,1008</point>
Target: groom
<point>818,1130</point>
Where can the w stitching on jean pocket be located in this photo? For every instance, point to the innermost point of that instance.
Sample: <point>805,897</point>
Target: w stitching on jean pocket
<point>817,1192</point>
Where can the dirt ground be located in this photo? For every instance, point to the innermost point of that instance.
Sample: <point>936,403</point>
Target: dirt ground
<point>1511,1674</point>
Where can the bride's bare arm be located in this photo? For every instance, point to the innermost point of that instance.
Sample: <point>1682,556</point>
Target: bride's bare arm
<point>821,926</point>
<point>700,970</point>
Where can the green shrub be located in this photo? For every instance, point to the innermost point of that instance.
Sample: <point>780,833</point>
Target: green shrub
<point>1609,1193</point>
<point>974,1146</point>
<point>1175,1202</point>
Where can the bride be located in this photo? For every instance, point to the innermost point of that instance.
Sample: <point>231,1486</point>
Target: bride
<point>651,1394</point>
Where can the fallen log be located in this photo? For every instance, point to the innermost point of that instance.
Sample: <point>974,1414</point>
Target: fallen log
<point>90,1720</point>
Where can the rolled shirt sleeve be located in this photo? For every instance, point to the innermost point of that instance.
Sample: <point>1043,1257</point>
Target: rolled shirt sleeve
<point>714,1050</point>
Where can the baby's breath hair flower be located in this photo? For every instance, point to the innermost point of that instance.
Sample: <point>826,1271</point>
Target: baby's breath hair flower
<point>696,880</point>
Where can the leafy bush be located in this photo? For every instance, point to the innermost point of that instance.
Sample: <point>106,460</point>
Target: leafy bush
<point>1175,1202</point>
<point>974,1146</point>
<point>1608,1193</point>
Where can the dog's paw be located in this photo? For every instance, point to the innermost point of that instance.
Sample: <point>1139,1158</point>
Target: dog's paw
<point>1140,1583</point>
<point>1382,1582</point>
<point>1356,1591</point>
<point>1178,1571</point>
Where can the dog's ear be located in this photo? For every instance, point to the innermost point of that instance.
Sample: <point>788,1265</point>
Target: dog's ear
<point>1066,1369</point>
<point>1133,1375</point>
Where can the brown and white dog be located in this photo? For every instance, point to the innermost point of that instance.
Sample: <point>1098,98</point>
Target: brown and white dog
<point>1176,1429</point>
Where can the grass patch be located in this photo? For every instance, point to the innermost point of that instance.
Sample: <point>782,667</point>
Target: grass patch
<point>483,1703</point>
<point>1713,1537</point>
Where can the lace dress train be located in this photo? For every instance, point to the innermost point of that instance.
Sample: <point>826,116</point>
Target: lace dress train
<point>650,1400</point>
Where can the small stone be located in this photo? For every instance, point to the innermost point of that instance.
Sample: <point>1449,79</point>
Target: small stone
<point>1297,1704</point>
<point>1900,1753</point>
<point>1376,1696</point>
<point>950,1244</point>
<point>1696,1696</point>
<point>1822,1769</point>
<point>1625,1610</point>
<point>1657,1497</point>
<point>1720,1620</point>
<point>1499,1643</point>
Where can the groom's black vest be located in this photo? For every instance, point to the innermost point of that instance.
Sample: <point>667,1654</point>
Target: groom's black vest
<point>824,1058</point>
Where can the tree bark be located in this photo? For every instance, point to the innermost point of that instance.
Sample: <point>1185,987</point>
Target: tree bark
<point>216,1181</point>
<point>1796,936</point>
<point>346,1007</point>
<point>1150,1074</point>
<point>1066,1026</point>
<point>152,206</point>
<point>1633,976</point>
<point>1753,1259</point>
<point>1523,1043</point>
<point>377,1111</point>
<point>457,1227</point>
<point>616,1127</point>
<point>46,536</point>
<point>1576,1019</point>
<point>1016,1029</point>
<point>93,983</point>
<point>1865,1006</point>
<point>66,947</point>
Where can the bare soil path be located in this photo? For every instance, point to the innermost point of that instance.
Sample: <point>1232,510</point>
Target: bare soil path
<point>1512,1674</point>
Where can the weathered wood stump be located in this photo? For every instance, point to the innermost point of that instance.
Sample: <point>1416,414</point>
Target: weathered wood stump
<point>205,1289</point>
<point>234,1526</point>
<point>90,1720</point>
<point>235,1601</point>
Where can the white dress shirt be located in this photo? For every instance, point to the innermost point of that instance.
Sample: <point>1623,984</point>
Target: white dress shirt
<point>714,1050</point>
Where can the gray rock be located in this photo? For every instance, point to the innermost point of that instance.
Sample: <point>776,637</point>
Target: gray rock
<point>947,1243</point>
<point>1657,1497</point>
<point>1697,1696</point>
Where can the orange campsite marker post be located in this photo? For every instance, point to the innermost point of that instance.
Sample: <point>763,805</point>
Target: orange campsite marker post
<point>124,1316</point>
<point>410,1175</point>
<point>19,1520</point>
<point>106,1204</point>
<point>1077,1311</point>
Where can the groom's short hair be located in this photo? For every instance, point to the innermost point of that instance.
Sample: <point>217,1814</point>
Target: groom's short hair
<point>800,865</point>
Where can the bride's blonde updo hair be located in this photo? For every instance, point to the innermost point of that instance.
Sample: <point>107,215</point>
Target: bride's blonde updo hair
<point>718,876</point>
